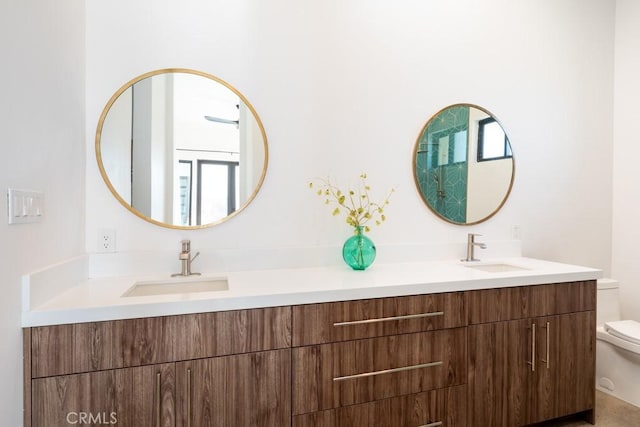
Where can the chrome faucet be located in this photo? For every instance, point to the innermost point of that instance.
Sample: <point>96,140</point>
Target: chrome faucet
<point>186,259</point>
<point>471,244</point>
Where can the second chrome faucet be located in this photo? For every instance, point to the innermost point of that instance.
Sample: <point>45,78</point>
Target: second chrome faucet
<point>186,260</point>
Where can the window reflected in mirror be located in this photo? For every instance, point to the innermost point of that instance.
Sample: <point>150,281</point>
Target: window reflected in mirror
<point>493,143</point>
<point>181,148</point>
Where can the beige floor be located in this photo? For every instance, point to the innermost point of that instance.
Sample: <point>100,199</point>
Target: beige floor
<point>610,412</point>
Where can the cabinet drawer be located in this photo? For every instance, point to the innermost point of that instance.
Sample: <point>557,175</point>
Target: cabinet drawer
<point>345,373</point>
<point>348,320</point>
<point>444,407</point>
<point>85,347</point>
<point>495,305</point>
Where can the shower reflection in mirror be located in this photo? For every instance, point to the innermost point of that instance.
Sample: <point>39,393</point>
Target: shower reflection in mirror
<point>463,164</point>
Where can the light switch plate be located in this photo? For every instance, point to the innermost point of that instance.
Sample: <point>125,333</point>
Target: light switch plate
<point>24,206</point>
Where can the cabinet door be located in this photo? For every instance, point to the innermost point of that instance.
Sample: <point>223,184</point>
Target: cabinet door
<point>251,389</point>
<point>142,396</point>
<point>527,371</point>
<point>500,373</point>
<point>565,375</point>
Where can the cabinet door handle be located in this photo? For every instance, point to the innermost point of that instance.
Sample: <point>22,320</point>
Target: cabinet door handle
<point>388,371</point>
<point>188,397</point>
<point>436,424</point>
<point>389,319</point>
<point>158,398</point>
<point>533,348</point>
<point>547,327</point>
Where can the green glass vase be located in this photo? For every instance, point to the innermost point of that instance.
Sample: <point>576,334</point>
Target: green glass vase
<point>359,251</point>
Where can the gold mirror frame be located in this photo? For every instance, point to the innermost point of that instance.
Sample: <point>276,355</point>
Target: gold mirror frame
<point>135,211</point>
<point>417,180</point>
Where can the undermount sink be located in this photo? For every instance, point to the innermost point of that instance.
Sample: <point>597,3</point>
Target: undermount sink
<point>496,268</point>
<point>178,285</point>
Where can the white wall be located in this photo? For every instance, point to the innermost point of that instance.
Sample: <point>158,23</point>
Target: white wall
<point>626,143</point>
<point>345,87</point>
<point>341,87</point>
<point>43,148</point>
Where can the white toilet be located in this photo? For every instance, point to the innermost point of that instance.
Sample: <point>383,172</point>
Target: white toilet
<point>617,347</point>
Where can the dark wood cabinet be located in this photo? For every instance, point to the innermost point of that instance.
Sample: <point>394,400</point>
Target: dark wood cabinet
<point>86,347</point>
<point>565,375</point>
<point>351,320</point>
<point>397,361</point>
<point>442,407</point>
<point>350,372</point>
<point>141,396</point>
<point>494,357</point>
<point>247,390</point>
<point>133,372</point>
<point>531,369</point>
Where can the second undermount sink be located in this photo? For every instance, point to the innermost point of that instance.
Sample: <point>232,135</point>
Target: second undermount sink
<point>178,285</point>
<point>495,267</point>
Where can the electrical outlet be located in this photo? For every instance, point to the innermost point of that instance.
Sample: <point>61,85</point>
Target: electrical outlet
<point>107,240</point>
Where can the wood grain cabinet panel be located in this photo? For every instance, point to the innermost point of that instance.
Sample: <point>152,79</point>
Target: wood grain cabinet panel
<point>245,390</point>
<point>502,357</point>
<point>494,305</point>
<point>142,396</point>
<point>86,347</point>
<point>332,375</point>
<point>349,320</point>
<point>499,380</point>
<point>530,370</point>
<point>443,407</point>
<point>563,382</point>
<point>66,349</point>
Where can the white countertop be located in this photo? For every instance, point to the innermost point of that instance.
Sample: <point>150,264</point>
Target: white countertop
<point>101,299</point>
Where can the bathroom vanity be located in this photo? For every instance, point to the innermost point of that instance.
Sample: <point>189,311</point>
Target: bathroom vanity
<point>416,344</point>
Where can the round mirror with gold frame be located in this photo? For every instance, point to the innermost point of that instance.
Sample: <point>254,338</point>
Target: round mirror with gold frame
<point>463,164</point>
<point>181,148</point>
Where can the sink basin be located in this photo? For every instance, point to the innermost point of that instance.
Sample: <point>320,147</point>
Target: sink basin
<point>496,268</point>
<point>178,285</point>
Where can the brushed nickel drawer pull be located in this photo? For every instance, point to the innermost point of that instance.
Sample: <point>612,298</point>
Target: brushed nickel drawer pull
<point>188,397</point>
<point>388,371</point>
<point>158,399</point>
<point>547,327</point>
<point>436,424</point>
<point>533,348</point>
<point>389,319</point>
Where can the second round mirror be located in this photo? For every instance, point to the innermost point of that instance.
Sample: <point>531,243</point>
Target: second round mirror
<point>463,164</point>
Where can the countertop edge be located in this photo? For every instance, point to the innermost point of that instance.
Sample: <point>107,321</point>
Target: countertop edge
<point>80,314</point>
